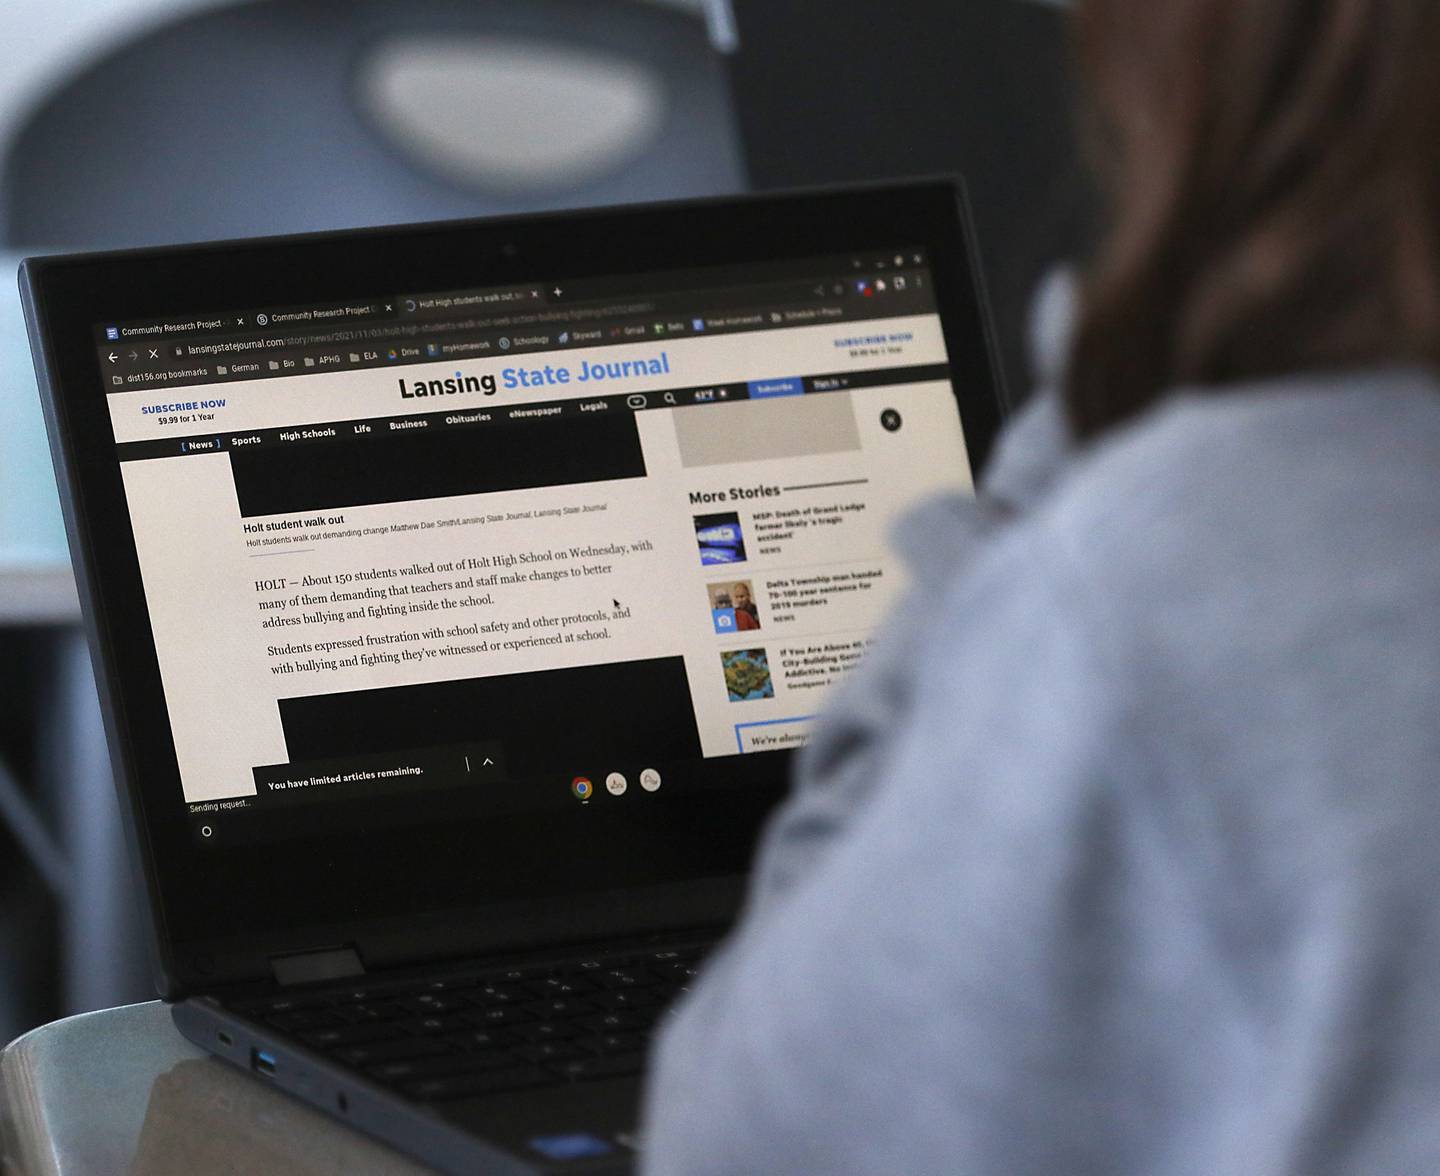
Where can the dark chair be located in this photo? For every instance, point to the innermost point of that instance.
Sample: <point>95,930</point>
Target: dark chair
<point>295,115</point>
<point>864,89</point>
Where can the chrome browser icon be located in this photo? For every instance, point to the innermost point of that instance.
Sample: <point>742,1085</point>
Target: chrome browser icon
<point>582,788</point>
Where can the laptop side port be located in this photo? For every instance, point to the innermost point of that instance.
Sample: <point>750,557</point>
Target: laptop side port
<point>262,1061</point>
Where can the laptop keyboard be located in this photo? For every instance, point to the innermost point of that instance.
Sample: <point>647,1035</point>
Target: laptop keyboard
<point>471,1034</point>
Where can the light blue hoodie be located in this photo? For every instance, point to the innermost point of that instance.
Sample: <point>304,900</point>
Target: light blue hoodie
<point>1121,854</point>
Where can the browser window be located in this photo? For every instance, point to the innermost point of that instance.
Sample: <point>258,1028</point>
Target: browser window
<point>542,542</point>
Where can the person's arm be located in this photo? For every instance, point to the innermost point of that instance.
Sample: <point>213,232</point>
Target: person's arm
<point>848,753</point>
<point>966,978</point>
<point>841,764</point>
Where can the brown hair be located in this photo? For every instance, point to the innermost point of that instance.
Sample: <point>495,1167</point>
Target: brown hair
<point>1273,174</point>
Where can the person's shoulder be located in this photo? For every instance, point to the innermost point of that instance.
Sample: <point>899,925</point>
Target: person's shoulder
<point>1281,470</point>
<point>1220,521</point>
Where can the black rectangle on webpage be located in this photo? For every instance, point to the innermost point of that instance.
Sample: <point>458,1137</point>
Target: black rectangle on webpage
<point>403,466</point>
<point>573,719</point>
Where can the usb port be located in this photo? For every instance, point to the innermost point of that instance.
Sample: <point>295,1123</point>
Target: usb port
<point>262,1061</point>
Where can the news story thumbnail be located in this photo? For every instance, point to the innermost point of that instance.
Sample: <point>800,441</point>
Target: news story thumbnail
<point>721,539</point>
<point>747,675</point>
<point>733,608</point>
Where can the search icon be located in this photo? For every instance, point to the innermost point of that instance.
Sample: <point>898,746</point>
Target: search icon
<point>669,398</point>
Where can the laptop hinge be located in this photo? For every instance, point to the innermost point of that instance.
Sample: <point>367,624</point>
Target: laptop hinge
<point>326,963</point>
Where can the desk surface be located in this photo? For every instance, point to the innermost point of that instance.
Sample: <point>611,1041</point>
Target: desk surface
<point>122,1091</point>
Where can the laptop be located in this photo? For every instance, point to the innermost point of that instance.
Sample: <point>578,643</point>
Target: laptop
<point>458,594</point>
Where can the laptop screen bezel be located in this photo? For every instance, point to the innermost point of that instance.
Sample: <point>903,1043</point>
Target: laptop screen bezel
<point>189,891</point>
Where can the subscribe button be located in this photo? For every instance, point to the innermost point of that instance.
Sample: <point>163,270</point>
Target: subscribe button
<point>764,389</point>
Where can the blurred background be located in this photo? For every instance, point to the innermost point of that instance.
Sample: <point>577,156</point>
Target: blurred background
<point>134,122</point>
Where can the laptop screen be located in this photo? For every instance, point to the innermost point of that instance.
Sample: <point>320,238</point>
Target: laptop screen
<point>561,545</point>
<point>452,585</point>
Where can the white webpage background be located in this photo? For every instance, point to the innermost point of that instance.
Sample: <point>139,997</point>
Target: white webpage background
<point>200,568</point>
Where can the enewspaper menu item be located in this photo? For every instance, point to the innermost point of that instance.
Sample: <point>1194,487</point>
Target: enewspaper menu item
<point>446,572</point>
